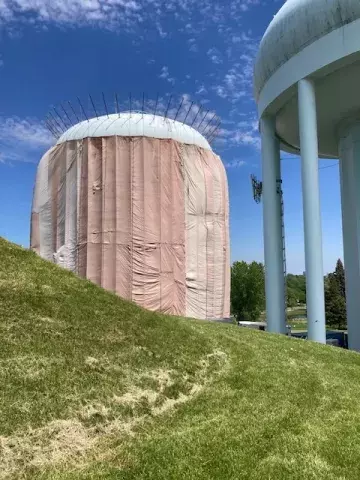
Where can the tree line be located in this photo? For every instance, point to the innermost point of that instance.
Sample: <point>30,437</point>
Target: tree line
<point>248,292</point>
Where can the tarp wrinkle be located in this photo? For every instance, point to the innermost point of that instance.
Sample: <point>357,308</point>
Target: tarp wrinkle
<point>146,218</point>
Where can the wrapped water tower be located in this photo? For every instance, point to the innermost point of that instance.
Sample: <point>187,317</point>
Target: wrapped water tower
<point>138,204</point>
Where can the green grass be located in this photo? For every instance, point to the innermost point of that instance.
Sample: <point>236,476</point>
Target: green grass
<point>296,313</point>
<point>298,324</point>
<point>93,387</point>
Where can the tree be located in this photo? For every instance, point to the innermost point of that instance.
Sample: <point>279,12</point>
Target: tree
<point>247,290</point>
<point>291,298</point>
<point>340,277</point>
<point>335,297</point>
<point>296,289</point>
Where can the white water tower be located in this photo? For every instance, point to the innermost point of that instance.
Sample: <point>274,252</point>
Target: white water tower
<point>307,87</point>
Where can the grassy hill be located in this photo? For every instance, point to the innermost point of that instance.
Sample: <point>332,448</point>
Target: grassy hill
<point>93,387</point>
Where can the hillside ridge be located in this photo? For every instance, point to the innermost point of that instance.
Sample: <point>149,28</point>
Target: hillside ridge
<point>96,387</point>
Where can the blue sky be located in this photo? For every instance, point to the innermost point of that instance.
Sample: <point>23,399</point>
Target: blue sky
<point>52,51</point>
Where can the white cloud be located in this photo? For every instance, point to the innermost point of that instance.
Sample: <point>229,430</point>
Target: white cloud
<point>22,140</point>
<point>162,32</point>
<point>214,55</point>
<point>201,90</point>
<point>237,82</point>
<point>166,76</point>
<point>220,91</point>
<point>196,15</point>
<point>236,163</point>
<point>192,45</point>
<point>71,12</point>
<point>29,132</point>
<point>233,47</point>
<point>246,133</point>
<point>243,133</point>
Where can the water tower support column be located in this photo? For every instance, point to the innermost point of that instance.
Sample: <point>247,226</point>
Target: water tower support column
<point>312,215</point>
<point>273,245</point>
<point>349,152</point>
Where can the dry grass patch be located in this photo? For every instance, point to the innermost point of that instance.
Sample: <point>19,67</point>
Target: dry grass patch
<point>69,442</point>
<point>28,366</point>
<point>57,442</point>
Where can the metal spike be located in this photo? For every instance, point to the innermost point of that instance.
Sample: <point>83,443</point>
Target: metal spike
<point>217,125</point>
<point>208,123</point>
<point>196,115</point>
<point>168,106</point>
<point>106,109</point>
<point>55,131</point>
<point>130,103</point>
<point>157,99</point>
<point>67,116</point>
<point>143,105</point>
<point>48,123</point>
<point>210,134</point>
<point>49,127</point>
<point>93,105</point>
<point>82,108</point>
<point>203,119</point>
<point>178,110</point>
<point>56,122</point>
<point>213,135</point>
<point>61,119</point>
<point>53,126</point>
<point>77,118</point>
<point>52,132</point>
<point>192,103</point>
<point>117,104</point>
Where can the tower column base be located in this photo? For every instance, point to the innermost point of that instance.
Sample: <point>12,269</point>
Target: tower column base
<point>349,155</point>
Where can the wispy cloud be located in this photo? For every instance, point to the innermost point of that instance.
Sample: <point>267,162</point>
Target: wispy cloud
<point>233,51</point>
<point>220,91</point>
<point>202,90</point>
<point>237,81</point>
<point>236,163</point>
<point>214,55</point>
<point>162,33</point>
<point>27,131</point>
<point>166,75</point>
<point>75,12</point>
<point>128,14</point>
<point>243,133</point>
<point>192,45</point>
<point>22,139</point>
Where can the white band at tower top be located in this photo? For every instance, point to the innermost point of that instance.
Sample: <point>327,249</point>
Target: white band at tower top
<point>133,124</point>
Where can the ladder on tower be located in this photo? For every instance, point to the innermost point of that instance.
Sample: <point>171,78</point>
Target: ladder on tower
<point>280,192</point>
<point>257,193</point>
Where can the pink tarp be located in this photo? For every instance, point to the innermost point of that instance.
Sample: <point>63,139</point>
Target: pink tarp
<point>146,218</point>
